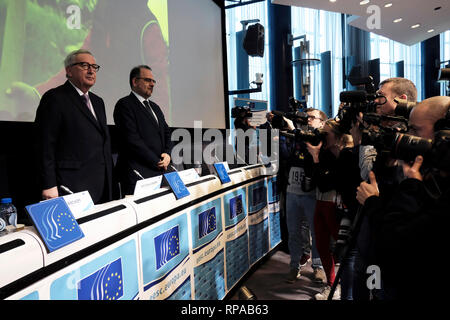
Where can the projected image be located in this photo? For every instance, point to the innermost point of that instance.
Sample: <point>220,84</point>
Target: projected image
<point>36,36</point>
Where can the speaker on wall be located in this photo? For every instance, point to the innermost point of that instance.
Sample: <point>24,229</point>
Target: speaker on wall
<point>254,40</point>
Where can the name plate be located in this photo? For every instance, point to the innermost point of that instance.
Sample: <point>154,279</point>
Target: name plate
<point>222,172</point>
<point>55,223</point>
<point>189,175</point>
<point>146,186</point>
<point>176,184</point>
<point>79,202</point>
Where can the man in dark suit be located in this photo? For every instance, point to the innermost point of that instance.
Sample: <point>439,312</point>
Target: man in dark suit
<point>74,141</point>
<point>144,136</point>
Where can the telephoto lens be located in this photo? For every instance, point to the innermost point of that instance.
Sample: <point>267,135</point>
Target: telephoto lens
<point>343,234</point>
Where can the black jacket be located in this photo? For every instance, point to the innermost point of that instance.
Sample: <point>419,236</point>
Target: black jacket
<point>412,234</point>
<point>141,140</point>
<point>74,147</point>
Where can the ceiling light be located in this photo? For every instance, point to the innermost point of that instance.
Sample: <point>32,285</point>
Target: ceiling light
<point>333,0</point>
<point>415,26</point>
<point>364,2</point>
<point>388,5</point>
<point>398,20</point>
<point>431,30</point>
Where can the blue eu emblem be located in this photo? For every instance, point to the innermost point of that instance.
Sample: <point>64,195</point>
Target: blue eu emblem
<point>104,284</point>
<point>235,206</point>
<point>207,222</point>
<point>167,246</point>
<point>55,223</point>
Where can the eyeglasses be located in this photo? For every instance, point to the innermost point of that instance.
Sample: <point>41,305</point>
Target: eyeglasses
<point>147,80</point>
<point>86,66</point>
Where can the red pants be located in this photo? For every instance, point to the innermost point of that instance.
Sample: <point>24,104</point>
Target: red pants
<point>325,227</point>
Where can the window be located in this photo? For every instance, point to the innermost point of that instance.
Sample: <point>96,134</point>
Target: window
<point>389,52</point>
<point>323,31</point>
<point>234,16</point>
<point>445,55</point>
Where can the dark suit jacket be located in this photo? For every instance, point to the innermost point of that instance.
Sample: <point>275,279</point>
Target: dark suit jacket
<point>74,148</point>
<point>141,141</point>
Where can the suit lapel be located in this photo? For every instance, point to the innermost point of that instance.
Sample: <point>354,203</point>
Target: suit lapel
<point>78,102</point>
<point>142,109</point>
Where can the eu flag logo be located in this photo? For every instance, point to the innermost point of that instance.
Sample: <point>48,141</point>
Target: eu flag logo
<point>104,284</point>
<point>207,222</point>
<point>235,206</point>
<point>167,246</point>
<point>55,223</point>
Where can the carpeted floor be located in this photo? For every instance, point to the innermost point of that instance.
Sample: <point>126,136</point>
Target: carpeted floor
<point>268,281</point>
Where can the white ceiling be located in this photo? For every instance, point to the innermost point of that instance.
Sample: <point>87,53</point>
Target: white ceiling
<point>411,11</point>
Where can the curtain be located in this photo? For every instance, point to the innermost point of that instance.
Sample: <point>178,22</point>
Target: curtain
<point>323,31</point>
<point>389,52</point>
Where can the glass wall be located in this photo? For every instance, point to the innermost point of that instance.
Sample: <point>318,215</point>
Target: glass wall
<point>323,31</point>
<point>389,52</point>
<point>234,16</point>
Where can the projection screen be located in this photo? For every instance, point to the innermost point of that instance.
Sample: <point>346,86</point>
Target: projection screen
<point>181,40</point>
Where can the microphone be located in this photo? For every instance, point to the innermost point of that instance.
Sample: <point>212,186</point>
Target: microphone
<point>65,189</point>
<point>138,174</point>
<point>173,167</point>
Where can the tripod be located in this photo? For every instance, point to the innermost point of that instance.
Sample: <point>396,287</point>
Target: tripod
<point>353,233</point>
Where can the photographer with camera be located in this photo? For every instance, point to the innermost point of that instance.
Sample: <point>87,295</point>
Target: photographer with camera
<point>336,175</point>
<point>242,124</point>
<point>300,195</point>
<point>416,220</point>
<point>375,158</point>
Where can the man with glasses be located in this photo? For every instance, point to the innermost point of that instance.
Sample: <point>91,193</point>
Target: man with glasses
<point>300,206</point>
<point>74,142</point>
<point>144,136</point>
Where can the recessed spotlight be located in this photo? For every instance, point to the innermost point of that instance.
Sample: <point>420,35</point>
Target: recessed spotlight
<point>415,26</point>
<point>397,20</point>
<point>364,2</point>
<point>430,31</point>
<point>333,1</point>
<point>388,5</point>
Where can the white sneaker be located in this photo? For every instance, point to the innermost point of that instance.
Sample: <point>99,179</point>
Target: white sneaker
<point>324,294</point>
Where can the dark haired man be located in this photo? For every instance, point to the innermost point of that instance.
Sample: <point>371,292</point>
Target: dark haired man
<point>144,136</point>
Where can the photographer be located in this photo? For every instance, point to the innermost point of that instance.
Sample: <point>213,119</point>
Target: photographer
<point>387,169</point>
<point>300,202</point>
<point>415,222</point>
<point>242,117</point>
<point>336,174</point>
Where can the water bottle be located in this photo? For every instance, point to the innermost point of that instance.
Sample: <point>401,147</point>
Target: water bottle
<point>8,213</point>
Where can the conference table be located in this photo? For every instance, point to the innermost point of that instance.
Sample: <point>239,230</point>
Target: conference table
<point>152,246</point>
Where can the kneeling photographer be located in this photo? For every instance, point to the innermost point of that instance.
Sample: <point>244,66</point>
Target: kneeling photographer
<point>414,223</point>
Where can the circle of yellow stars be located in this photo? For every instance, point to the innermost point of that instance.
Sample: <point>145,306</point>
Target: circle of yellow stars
<point>63,215</point>
<point>174,252</point>
<point>113,297</point>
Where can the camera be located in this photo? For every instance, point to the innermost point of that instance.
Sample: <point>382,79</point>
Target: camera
<point>403,146</point>
<point>241,112</point>
<point>296,114</point>
<point>403,108</point>
<point>364,101</point>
